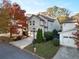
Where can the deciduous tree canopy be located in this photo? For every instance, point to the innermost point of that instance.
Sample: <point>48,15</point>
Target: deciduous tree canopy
<point>4,20</point>
<point>57,11</point>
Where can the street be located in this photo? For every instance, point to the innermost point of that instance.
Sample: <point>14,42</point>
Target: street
<point>10,52</point>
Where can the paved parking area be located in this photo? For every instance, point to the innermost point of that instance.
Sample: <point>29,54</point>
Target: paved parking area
<point>10,52</point>
<point>67,53</point>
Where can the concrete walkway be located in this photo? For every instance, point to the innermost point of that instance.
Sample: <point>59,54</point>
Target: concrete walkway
<point>22,43</point>
<point>67,53</point>
<point>10,52</point>
<point>5,34</point>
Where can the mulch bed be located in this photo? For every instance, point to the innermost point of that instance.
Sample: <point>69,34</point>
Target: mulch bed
<point>4,39</point>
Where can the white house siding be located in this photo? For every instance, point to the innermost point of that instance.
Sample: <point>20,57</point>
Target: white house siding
<point>50,26</point>
<point>68,26</point>
<point>38,24</point>
<point>47,24</point>
<point>46,29</point>
<point>57,25</point>
<point>66,34</point>
<point>54,25</point>
<point>42,24</point>
<point>66,39</point>
<point>31,26</point>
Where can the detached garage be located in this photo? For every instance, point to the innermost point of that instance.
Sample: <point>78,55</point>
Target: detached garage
<point>66,36</point>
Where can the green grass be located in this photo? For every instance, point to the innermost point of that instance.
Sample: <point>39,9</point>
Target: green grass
<point>45,49</point>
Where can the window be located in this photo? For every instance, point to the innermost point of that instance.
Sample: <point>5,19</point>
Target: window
<point>30,22</point>
<point>71,37</point>
<point>33,30</point>
<point>68,37</point>
<point>65,36</point>
<point>33,22</point>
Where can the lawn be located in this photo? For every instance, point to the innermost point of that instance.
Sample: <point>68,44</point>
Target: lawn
<point>45,49</point>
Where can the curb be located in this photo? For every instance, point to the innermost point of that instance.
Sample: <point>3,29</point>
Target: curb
<point>28,52</point>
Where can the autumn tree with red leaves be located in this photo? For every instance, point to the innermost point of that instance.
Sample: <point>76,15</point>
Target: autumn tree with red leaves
<point>18,18</point>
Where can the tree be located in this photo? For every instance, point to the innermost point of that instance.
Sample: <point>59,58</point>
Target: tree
<point>39,37</point>
<point>57,11</point>
<point>4,20</point>
<point>49,10</point>
<point>4,16</point>
<point>17,15</point>
<point>75,17</point>
<point>62,18</point>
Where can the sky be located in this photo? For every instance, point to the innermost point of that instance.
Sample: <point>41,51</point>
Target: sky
<point>35,6</point>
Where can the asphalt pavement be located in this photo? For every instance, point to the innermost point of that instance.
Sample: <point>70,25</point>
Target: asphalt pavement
<point>10,52</point>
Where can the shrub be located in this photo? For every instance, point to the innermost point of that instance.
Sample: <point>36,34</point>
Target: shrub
<point>55,34</point>
<point>39,37</point>
<point>48,36</point>
<point>51,35</point>
<point>56,42</point>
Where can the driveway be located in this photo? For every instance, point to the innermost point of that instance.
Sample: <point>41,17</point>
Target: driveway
<point>67,53</point>
<point>22,43</point>
<point>9,52</point>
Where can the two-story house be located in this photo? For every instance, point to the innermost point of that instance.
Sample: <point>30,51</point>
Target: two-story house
<point>43,22</point>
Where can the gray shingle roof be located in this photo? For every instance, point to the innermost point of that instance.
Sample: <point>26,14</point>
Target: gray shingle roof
<point>36,16</point>
<point>43,18</point>
<point>47,18</point>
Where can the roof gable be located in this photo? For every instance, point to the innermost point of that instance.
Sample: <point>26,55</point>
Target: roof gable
<point>47,18</point>
<point>36,17</point>
<point>43,18</point>
<point>32,17</point>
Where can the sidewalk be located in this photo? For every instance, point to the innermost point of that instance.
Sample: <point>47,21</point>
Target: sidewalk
<point>5,34</point>
<point>22,43</point>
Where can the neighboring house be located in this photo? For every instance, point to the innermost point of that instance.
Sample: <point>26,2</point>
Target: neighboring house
<point>43,22</point>
<point>66,36</point>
